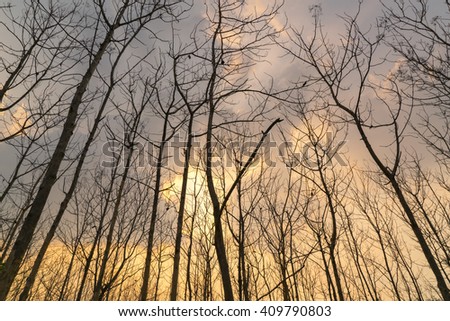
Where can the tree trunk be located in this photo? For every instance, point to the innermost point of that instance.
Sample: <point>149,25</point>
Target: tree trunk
<point>440,280</point>
<point>180,221</point>
<point>148,258</point>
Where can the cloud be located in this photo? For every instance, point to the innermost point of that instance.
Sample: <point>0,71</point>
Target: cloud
<point>13,121</point>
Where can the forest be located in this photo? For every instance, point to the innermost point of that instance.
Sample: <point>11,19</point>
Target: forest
<point>224,150</point>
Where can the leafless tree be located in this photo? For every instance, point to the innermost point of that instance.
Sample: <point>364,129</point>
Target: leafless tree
<point>25,235</point>
<point>227,79</point>
<point>334,66</point>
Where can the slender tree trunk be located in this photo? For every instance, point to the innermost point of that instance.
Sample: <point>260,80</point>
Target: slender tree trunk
<point>98,288</point>
<point>87,265</point>
<point>242,276</point>
<point>331,287</point>
<point>189,255</point>
<point>386,263</point>
<point>284,275</point>
<point>151,234</point>
<point>67,276</point>
<point>333,240</point>
<point>219,242</point>
<point>180,221</point>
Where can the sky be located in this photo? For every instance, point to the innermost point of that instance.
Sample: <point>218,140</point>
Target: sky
<point>282,69</point>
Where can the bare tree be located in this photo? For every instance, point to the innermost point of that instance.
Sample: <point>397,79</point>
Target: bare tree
<point>166,109</point>
<point>353,60</point>
<point>24,238</point>
<point>184,87</point>
<point>76,175</point>
<point>222,52</point>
